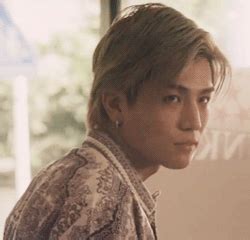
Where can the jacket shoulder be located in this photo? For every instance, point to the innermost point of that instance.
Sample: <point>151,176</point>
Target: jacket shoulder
<point>79,180</point>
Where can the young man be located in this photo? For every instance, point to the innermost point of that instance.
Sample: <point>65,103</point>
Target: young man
<point>155,72</point>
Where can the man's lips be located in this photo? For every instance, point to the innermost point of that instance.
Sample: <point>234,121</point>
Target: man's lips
<point>187,143</point>
<point>187,146</point>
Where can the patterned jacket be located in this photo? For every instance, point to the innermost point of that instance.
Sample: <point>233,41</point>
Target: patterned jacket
<point>91,193</point>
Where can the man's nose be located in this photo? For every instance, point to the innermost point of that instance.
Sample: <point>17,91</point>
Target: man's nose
<point>191,117</point>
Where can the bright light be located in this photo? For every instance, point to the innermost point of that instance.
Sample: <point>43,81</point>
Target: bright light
<point>39,19</point>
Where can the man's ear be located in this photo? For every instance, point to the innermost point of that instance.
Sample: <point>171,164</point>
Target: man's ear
<point>114,104</point>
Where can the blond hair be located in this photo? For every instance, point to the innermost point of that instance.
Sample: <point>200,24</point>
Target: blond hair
<point>145,43</point>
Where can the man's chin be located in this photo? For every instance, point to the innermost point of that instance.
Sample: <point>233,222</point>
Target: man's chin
<point>181,164</point>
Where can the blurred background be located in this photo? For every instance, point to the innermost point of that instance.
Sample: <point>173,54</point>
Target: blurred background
<point>45,77</point>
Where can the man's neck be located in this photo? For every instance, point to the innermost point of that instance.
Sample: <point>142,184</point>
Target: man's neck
<point>140,164</point>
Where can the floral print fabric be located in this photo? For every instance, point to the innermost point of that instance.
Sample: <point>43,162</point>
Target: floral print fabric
<point>91,193</point>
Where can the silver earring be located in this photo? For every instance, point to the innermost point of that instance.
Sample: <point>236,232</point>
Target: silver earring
<point>117,124</point>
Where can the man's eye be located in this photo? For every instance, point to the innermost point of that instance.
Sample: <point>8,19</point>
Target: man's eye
<point>204,100</point>
<point>172,99</point>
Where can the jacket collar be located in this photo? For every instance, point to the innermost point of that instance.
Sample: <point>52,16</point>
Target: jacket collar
<point>105,144</point>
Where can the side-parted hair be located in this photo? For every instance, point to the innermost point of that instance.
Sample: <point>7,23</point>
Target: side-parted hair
<point>149,42</point>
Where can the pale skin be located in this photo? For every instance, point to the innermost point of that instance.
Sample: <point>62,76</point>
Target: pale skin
<point>164,126</point>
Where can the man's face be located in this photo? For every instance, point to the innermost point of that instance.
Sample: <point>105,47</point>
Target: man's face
<point>164,126</point>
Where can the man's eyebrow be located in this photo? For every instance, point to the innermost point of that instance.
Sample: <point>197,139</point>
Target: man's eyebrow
<point>208,90</point>
<point>184,89</point>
